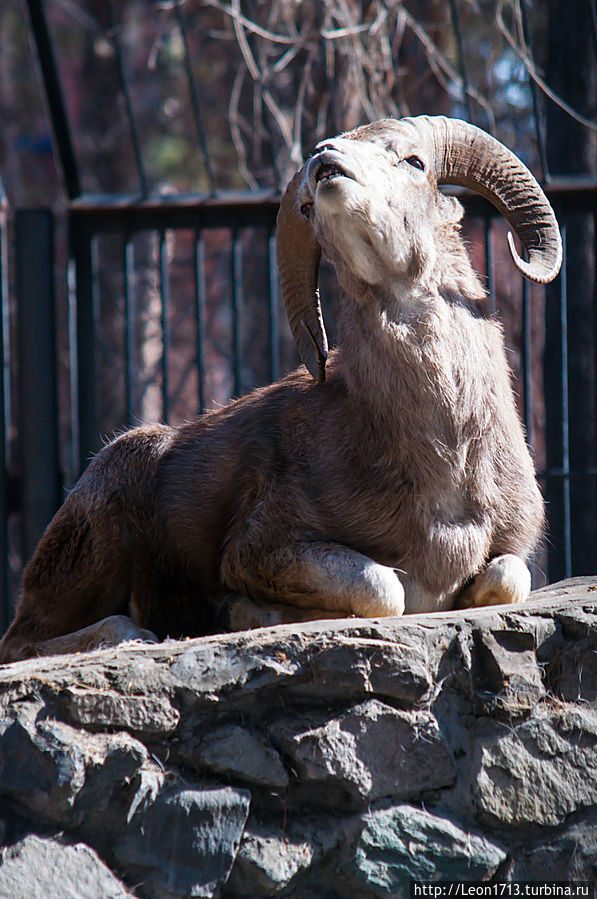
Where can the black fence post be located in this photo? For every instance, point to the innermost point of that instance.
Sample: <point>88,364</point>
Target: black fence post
<point>37,382</point>
<point>5,598</point>
<point>83,355</point>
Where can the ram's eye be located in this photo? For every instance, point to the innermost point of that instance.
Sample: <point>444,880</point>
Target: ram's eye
<point>306,209</point>
<point>415,162</point>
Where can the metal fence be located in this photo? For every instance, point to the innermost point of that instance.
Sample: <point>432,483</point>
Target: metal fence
<point>113,243</point>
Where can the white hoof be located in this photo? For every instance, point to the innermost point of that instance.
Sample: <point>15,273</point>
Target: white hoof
<point>506,579</point>
<point>380,593</point>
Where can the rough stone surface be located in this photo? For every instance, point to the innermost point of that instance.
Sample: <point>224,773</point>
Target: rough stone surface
<point>573,850</point>
<point>370,751</point>
<point>235,752</point>
<point>540,771</point>
<point>54,869</point>
<point>507,673</point>
<point>402,843</point>
<point>336,759</point>
<point>105,710</point>
<point>183,842</point>
<point>269,860</point>
<point>60,772</point>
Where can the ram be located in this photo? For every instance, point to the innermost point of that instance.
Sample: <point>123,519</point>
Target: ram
<point>389,475</point>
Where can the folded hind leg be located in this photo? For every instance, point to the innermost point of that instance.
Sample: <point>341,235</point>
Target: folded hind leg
<point>307,580</point>
<point>78,577</point>
<point>110,631</point>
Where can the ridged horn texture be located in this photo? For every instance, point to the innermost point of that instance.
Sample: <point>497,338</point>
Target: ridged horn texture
<point>469,157</point>
<point>298,267</point>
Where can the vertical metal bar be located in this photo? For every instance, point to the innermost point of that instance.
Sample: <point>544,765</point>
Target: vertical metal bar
<point>527,380</point>
<point>73,376</point>
<point>38,402</point>
<point>200,298</point>
<point>129,329</point>
<point>539,131</point>
<point>165,322</point>
<point>489,263</point>
<point>237,298</point>
<point>194,95</point>
<point>5,605</point>
<point>593,461</point>
<point>527,367</point>
<point>567,523</point>
<point>274,307</point>
<point>87,330</point>
<point>461,60</point>
<point>593,8</point>
<point>5,383</point>
<point>128,102</point>
<point>54,97</point>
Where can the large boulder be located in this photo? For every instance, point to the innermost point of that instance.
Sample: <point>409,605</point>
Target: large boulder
<point>331,759</point>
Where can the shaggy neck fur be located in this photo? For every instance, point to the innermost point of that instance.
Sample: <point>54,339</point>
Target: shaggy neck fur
<point>426,406</point>
<point>410,322</point>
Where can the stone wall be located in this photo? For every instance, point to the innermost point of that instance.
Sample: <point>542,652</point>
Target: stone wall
<point>334,759</point>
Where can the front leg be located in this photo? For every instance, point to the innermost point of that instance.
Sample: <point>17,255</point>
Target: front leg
<point>506,579</point>
<point>308,580</point>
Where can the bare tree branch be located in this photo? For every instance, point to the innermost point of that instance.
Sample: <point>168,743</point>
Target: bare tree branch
<point>235,14</point>
<point>522,51</point>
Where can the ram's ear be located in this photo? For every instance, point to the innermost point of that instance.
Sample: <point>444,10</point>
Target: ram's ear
<point>298,266</point>
<point>451,210</point>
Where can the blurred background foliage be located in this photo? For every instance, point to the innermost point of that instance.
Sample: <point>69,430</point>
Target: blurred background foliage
<point>269,79</point>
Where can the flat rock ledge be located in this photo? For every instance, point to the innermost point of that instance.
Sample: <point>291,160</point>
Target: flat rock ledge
<point>333,759</point>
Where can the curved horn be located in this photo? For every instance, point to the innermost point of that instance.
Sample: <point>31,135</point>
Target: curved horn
<point>467,156</point>
<point>298,267</point>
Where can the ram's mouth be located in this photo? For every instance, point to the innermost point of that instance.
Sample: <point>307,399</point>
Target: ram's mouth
<point>325,168</point>
<point>327,171</point>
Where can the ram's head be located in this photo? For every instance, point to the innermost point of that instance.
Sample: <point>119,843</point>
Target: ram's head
<point>369,198</point>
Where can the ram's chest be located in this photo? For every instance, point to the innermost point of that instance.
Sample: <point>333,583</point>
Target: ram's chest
<point>385,509</point>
